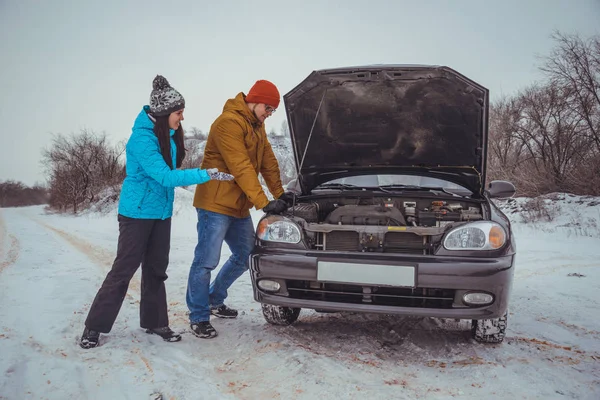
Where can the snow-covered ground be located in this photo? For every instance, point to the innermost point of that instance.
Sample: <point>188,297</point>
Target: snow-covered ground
<point>52,265</point>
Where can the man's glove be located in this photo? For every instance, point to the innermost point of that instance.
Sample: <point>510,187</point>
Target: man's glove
<point>288,197</point>
<point>215,175</point>
<point>275,207</point>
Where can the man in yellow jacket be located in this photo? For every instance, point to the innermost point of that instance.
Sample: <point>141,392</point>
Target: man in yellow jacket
<point>237,144</point>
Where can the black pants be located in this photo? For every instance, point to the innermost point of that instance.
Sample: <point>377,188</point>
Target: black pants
<point>141,241</point>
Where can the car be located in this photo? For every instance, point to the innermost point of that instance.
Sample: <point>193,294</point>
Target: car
<point>391,211</point>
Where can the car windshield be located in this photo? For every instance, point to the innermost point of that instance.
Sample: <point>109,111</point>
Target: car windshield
<point>391,182</point>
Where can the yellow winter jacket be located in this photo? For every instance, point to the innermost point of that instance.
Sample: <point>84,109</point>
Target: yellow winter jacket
<point>237,144</point>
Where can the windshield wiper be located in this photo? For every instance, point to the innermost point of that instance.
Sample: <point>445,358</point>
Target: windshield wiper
<point>400,186</point>
<point>414,187</point>
<point>336,186</point>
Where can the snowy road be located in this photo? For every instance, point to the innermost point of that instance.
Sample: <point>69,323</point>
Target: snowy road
<point>51,267</point>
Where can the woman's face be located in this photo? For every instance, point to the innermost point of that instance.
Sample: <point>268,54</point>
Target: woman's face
<point>175,119</point>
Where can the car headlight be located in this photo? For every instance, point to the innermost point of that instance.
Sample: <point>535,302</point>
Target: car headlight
<point>276,228</point>
<point>480,235</point>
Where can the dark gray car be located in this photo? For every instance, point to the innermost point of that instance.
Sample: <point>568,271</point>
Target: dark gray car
<point>392,213</point>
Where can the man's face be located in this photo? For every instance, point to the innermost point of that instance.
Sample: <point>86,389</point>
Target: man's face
<point>263,111</point>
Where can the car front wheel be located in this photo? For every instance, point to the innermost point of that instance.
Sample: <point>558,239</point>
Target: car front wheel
<point>277,315</point>
<point>489,330</point>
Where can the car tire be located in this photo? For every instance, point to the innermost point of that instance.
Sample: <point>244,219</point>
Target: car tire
<point>489,330</point>
<point>277,315</point>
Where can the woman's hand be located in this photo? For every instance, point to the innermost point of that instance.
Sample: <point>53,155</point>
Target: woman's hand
<point>215,175</point>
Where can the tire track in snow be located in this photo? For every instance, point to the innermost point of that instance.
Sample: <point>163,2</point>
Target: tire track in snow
<point>98,255</point>
<point>12,254</point>
<point>576,329</point>
<point>145,361</point>
<point>2,236</point>
<point>13,249</point>
<point>553,353</point>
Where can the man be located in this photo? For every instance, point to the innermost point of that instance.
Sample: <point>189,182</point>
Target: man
<point>237,144</point>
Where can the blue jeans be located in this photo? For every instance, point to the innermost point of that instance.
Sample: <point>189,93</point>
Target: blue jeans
<point>213,229</point>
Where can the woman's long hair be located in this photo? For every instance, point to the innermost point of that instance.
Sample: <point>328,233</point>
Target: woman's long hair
<point>162,132</point>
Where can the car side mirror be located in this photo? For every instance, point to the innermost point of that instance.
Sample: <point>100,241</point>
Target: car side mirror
<point>499,189</point>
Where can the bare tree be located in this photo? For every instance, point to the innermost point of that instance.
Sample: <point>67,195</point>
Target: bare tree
<point>505,150</point>
<point>574,65</point>
<point>537,141</point>
<point>547,138</point>
<point>80,167</point>
<point>553,136</point>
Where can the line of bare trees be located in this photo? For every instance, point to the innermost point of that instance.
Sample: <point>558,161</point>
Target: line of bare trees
<point>17,194</point>
<point>547,137</point>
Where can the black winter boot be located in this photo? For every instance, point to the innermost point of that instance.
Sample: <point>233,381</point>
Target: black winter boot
<point>89,338</point>
<point>166,333</point>
<point>203,330</point>
<point>224,312</point>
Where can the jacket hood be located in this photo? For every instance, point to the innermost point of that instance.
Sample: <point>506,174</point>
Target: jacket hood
<point>238,105</point>
<point>144,121</point>
<point>389,119</point>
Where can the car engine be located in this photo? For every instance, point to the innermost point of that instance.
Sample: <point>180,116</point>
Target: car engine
<point>382,224</point>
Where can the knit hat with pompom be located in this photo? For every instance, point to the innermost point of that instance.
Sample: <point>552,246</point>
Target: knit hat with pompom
<point>164,99</point>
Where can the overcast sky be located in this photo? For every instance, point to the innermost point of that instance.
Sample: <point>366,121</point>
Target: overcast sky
<point>69,65</point>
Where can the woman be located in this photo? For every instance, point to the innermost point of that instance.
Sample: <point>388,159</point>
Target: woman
<point>154,151</point>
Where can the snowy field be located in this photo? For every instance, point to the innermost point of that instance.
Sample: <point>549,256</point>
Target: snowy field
<point>52,265</point>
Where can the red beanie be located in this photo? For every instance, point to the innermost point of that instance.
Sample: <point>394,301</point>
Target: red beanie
<point>263,92</point>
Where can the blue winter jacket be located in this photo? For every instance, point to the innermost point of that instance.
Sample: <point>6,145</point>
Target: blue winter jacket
<point>149,187</point>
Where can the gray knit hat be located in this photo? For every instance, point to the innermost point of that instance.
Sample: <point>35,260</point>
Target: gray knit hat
<point>164,99</point>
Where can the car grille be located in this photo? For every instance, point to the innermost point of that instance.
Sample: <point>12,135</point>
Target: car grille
<point>342,241</point>
<point>403,242</point>
<point>383,296</point>
<point>394,242</point>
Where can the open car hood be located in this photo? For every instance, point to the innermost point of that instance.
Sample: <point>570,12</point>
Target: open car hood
<point>389,119</point>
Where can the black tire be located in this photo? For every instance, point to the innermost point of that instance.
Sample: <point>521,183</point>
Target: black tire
<point>277,315</point>
<point>489,330</point>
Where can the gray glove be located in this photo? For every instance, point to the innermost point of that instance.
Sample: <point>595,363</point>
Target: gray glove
<point>215,175</point>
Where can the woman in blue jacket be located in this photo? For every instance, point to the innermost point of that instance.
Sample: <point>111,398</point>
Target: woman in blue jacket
<point>154,152</point>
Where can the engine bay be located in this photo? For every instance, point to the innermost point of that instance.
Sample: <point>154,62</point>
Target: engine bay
<point>380,223</point>
<point>386,211</point>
